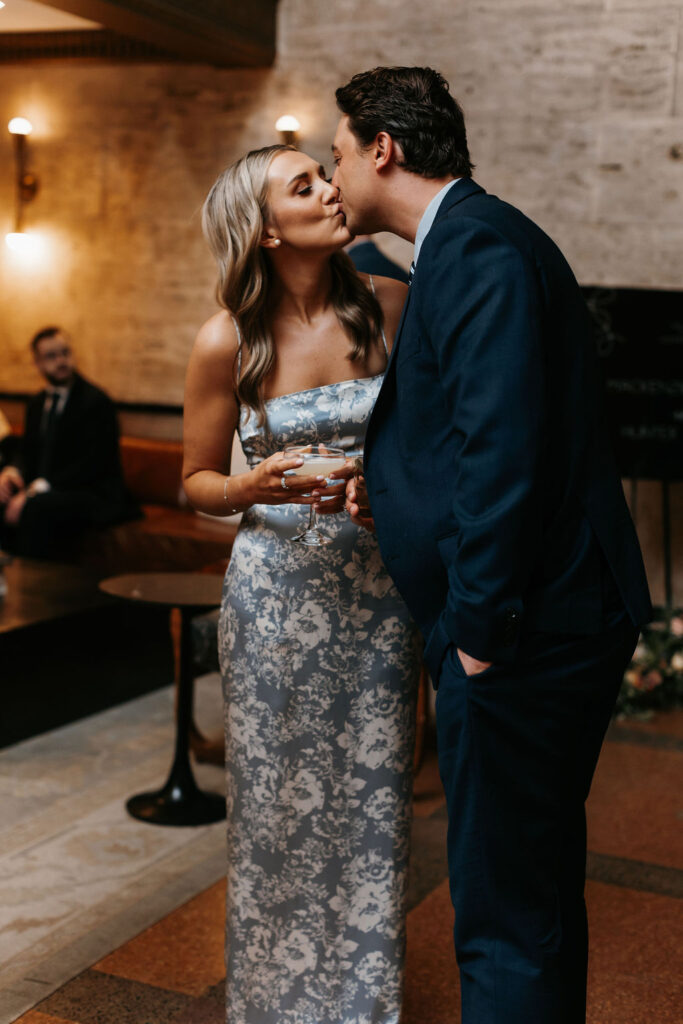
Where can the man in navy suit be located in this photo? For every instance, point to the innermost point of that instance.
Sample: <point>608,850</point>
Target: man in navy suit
<point>501,517</point>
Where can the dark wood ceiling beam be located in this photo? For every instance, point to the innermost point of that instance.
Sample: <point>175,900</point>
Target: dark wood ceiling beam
<point>227,33</point>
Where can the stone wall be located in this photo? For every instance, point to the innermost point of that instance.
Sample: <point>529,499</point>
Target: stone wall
<point>575,114</point>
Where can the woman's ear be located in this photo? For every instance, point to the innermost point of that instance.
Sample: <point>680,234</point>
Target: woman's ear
<point>269,241</point>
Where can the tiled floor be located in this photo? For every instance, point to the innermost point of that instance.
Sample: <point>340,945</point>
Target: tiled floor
<point>172,973</point>
<point>78,876</point>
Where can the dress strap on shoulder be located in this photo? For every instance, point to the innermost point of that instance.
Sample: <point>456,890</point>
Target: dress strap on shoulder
<point>239,346</point>
<point>384,337</point>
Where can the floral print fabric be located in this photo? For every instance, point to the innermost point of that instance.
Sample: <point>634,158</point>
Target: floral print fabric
<point>320,661</point>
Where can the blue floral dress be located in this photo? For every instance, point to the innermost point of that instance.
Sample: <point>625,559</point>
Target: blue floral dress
<point>320,662</point>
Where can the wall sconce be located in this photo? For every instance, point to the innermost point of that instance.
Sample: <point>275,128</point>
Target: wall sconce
<point>288,126</point>
<point>27,182</point>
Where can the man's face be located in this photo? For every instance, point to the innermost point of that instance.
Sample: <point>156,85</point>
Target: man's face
<point>54,360</point>
<point>358,182</point>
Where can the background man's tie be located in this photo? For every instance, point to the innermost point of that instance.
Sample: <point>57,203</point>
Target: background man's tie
<point>48,440</point>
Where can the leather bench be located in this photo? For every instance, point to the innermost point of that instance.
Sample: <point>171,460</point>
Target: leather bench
<point>170,535</point>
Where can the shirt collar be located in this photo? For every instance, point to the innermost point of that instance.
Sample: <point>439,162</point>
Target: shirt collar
<point>429,216</point>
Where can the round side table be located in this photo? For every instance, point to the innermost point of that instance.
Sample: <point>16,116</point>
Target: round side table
<point>179,801</point>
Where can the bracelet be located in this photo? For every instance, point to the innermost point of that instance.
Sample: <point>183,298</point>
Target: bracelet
<point>231,509</point>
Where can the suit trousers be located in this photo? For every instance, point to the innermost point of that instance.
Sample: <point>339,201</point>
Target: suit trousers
<point>52,524</point>
<point>518,745</point>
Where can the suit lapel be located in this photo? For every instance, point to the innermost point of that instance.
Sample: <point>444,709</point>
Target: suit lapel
<point>461,190</point>
<point>375,414</point>
<point>399,330</point>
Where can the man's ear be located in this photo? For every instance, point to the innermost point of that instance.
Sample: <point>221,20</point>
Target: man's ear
<point>385,151</point>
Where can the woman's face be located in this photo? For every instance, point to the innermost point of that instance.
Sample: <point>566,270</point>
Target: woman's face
<point>304,211</point>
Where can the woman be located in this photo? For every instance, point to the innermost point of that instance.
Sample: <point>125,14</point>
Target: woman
<point>318,654</point>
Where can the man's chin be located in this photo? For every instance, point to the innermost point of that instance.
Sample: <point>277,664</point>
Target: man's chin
<point>352,228</point>
<point>60,380</point>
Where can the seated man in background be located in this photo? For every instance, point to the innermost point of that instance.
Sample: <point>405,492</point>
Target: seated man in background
<point>67,475</point>
<point>368,258</point>
<point>5,439</point>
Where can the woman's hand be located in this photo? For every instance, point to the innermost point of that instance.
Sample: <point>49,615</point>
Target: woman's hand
<point>269,484</point>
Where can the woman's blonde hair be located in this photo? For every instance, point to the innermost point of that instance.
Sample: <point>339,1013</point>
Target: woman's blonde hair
<point>233,220</point>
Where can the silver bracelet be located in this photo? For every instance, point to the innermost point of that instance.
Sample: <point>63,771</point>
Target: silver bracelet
<point>231,509</point>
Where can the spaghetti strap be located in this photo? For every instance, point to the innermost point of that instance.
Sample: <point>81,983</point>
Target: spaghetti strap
<point>384,338</point>
<point>239,347</point>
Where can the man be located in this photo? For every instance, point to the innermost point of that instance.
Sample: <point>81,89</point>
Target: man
<point>501,517</point>
<point>367,257</point>
<point>68,473</point>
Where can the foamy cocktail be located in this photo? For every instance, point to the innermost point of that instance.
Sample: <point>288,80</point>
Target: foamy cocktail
<point>319,460</point>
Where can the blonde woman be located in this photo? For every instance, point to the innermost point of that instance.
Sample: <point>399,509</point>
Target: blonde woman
<point>319,656</point>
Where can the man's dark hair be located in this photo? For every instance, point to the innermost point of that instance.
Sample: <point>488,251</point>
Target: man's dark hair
<point>45,332</point>
<point>415,107</point>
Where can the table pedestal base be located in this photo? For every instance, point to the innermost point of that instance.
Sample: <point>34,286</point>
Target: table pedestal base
<point>179,802</point>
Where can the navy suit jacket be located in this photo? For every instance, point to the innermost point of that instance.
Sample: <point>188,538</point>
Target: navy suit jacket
<point>497,503</point>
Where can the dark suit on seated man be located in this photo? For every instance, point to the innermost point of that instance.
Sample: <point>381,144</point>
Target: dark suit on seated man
<point>368,258</point>
<point>67,476</point>
<point>501,517</point>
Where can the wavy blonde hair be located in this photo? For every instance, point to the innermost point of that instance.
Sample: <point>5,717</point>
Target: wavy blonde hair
<point>233,220</point>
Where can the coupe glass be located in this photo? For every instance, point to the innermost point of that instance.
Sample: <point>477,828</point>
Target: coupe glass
<point>319,460</point>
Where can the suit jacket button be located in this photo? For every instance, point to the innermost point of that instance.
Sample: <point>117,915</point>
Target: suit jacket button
<point>510,627</point>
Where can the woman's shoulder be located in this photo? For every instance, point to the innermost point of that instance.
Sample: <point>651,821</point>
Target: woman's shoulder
<point>391,294</point>
<point>218,336</point>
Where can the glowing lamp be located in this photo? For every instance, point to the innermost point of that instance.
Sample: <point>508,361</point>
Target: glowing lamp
<point>20,126</point>
<point>21,242</point>
<point>287,126</point>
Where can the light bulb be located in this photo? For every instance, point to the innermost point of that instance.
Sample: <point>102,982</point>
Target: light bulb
<point>287,123</point>
<point>1,4</point>
<point>21,242</point>
<point>20,126</point>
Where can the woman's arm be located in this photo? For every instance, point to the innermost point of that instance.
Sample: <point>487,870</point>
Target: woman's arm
<point>210,420</point>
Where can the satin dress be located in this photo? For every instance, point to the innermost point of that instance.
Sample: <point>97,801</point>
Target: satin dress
<point>320,662</point>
